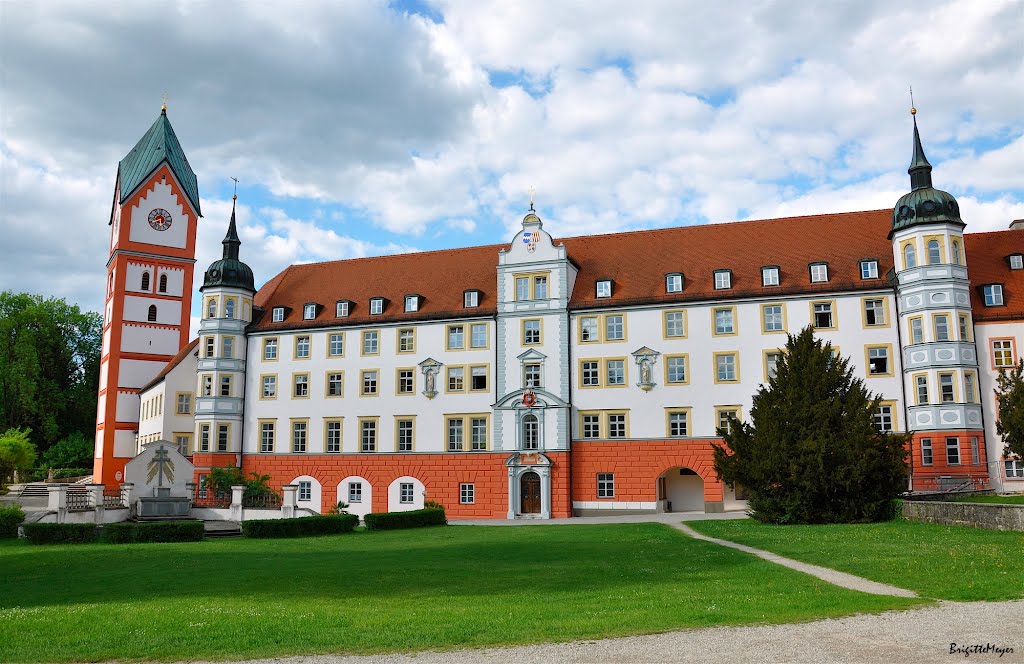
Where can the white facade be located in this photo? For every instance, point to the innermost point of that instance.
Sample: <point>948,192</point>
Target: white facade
<point>994,340</point>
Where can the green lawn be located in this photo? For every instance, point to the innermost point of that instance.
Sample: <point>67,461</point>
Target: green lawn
<point>1006,500</point>
<point>942,562</point>
<point>389,591</point>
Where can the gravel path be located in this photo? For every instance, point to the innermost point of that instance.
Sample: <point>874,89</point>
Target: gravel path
<point>920,635</point>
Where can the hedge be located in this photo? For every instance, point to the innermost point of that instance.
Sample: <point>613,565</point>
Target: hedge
<point>157,531</point>
<point>433,516</point>
<point>10,517</point>
<point>60,533</point>
<point>301,527</point>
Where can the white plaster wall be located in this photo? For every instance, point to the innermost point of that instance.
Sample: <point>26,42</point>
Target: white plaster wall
<point>98,447</point>
<point>153,424</point>
<point>984,333</point>
<point>175,280</point>
<point>160,197</point>
<point>124,443</point>
<point>365,506</point>
<point>136,373</point>
<point>394,495</point>
<point>168,312</point>
<point>133,277</point>
<point>150,340</point>
<point>104,364</point>
<point>314,502</point>
<point>106,340</point>
<point>101,409</point>
<point>127,406</point>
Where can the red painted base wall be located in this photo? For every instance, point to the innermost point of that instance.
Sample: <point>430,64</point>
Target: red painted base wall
<point>926,478</point>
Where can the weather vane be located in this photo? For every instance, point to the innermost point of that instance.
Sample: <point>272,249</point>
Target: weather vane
<point>913,110</point>
<point>234,194</point>
<point>164,97</point>
<point>531,198</point>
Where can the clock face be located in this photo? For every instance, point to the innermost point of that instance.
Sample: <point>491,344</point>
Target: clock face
<point>160,219</point>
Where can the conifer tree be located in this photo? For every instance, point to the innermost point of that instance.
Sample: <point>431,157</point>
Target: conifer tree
<point>1010,396</point>
<point>811,452</point>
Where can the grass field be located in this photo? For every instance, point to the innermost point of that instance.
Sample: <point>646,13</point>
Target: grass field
<point>1005,500</point>
<point>389,591</point>
<point>942,562</point>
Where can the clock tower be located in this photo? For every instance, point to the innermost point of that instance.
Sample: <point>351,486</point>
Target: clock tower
<point>148,302</point>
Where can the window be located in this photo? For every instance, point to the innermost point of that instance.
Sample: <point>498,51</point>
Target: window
<point>588,329</point>
<point>916,331</point>
<point>309,312</point>
<point>456,337</point>
<point>204,437</point>
<point>726,417</point>
<point>404,432</point>
<point>965,330</point>
<point>771,364</point>
<point>616,372</point>
<point>302,347</point>
<point>227,345</point>
<point>926,452</point>
<point>604,288</point>
<point>477,378</point>
<point>478,335</point>
<point>616,425</point>
<point>270,348</point>
<point>591,425</point>
<point>952,451</point>
<point>305,491</point>
<point>368,435</point>
<point>677,424</point>
<point>819,272</point>
<point>376,306</point>
<point>956,252</point>
<point>673,283</point>
<point>675,324</point>
<point>277,313</point>
<point>405,493</point>
<point>225,386</point>
<point>531,433</point>
<point>1002,353</point>
<point>368,382</point>
<point>883,418</point>
<point>341,308</point>
<point>531,375</point>
<point>878,360</point>
<point>921,385</point>
<point>478,433</point>
<point>723,279</point>
<point>371,342</point>
<point>355,492</point>
<point>412,303</point>
<point>301,386</point>
<point>211,347</point>
<point>406,340</point>
<point>162,287</point>
<point>993,295</point>
<point>299,436</point>
<point>531,332</point>
<point>1017,261</point>
<point>207,386</point>
<point>269,387</point>
<point>333,437</point>
<point>823,314</point>
<point>975,455</point>
<point>471,299</point>
<point>605,485</point>
<point>590,373</point>
<point>934,252</point>
<point>145,281</point>
<point>675,370</point>
<point>522,288</point>
<point>266,437</point>
<point>771,318</point>
<point>540,288</point>
<point>467,494</point>
<point>874,312</point>
<point>1014,468</point>
<point>725,367</point>
<point>335,380</point>
<point>211,309</point>
<point>151,314</point>
<point>456,379</point>
<point>941,327</point>
<point>770,276</point>
<point>909,256</point>
<point>184,403</point>
<point>946,387</point>
<point>405,381</point>
<point>614,327</point>
<point>725,320</point>
<point>968,387</point>
<point>223,434</point>
<point>869,269</point>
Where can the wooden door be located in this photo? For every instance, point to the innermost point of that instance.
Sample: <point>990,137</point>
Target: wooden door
<point>529,492</point>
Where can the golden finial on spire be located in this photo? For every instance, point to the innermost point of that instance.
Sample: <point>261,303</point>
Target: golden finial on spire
<point>913,111</point>
<point>234,195</point>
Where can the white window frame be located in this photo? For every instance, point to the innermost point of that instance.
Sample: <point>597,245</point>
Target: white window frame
<point>674,282</point>
<point>412,303</point>
<point>1017,261</point>
<point>869,269</point>
<point>376,306</point>
<point>305,491</point>
<point>606,485</point>
<point>471,299</point>
<point>308,312</point>
<point>993,295</point>
<point>341,309</point>
<point>467,493</point>
<point>723,279</point>
<point>406,493</point>
<point>277,314</point>
<point>819,273</point>
<point>604,288</point>
<point>770,275</point>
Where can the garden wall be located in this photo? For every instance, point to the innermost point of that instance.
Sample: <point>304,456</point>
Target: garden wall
<point>978,515</point>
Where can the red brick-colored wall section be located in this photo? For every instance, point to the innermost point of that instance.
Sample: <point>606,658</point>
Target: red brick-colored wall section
<point>441,475</point>
<point>204,461</point>
<point>926,478</point>
<point>637,465</point>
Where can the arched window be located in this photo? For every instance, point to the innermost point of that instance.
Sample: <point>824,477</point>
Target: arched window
<point>531,433</point>
<point>162,287</point>
<point>211,308</point>
<point>229,309</point>
<point>152,314</point>
<point>956,252</point>
<point>909,256</point>
<point>145,281</point>
<point>934,255</point>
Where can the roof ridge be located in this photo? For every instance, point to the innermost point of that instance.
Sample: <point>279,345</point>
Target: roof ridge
<point>403,253</point>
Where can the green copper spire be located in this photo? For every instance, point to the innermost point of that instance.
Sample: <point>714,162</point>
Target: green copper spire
<point>920,170</point>
<point>923,204</point>
<point>229,271</point>
<point>157,146</point>
<point>231,241</point>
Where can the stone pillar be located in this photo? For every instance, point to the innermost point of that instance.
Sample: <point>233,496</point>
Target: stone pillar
<point>191,488</point>
<point>236,502</point>
<point>97,502</point>
<point>58,501</point>
<point>545,492</point>
<point>127,491</point>
<point>512,493</point>
<point>289,500</point>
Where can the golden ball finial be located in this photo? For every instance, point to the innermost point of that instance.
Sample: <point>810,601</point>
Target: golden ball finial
<point>913,111</point>
<point>163,107</point>
<point>234,197</point>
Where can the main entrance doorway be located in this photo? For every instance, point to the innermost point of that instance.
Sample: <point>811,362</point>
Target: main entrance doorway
<point>682,489</point>
<point>529,492</point>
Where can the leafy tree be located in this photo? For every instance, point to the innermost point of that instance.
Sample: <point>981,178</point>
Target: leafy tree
<point>221,479</point>
<point>811,452</point>
<point>1010,396</point>
<point>17,453</point>
<point>49,366</point>
<point>75,451</point>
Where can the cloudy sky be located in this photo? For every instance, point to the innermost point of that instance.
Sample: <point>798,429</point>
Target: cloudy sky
<point>362,128</point>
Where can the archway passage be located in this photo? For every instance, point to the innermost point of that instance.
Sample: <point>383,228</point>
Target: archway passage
<point>529,493</point>
<point>682,490</point>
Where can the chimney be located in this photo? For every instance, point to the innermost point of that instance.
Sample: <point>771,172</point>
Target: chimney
<point>1017,224</point>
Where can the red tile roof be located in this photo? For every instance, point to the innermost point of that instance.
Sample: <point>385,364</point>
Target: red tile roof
<point>988,263</point>
<point>175,361</point>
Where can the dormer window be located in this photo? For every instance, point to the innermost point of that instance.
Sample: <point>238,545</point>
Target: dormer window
<point>819,273</point>
<point>993,294</point>
<point>604,288</point>
<point>770,275</point>
<point>869,269</point>
<point>412,303</point>
<point>723,279</point>
<point>471,299</point>
<point>309,311</point>
<point>341,308</point>
<point>278,314</point>
<point>674,282</point>
<point>1017,261</point>
<point>376,306</point>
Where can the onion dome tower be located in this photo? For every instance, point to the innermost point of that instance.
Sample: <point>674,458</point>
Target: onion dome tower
<point>940,360</point>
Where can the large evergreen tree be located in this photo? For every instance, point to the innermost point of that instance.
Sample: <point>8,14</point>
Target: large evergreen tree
<point>1010,422</point>
<point>811,452</point>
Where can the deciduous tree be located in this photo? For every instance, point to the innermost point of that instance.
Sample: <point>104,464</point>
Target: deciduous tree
<point>1010,396</point>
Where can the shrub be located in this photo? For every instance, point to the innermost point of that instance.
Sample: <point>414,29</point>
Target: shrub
<point>160,531</point>
<point>60,533</point>
<point>74,451</point>
<point>302,527</point>
<point>10,517</point>
<point>413,519</point>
